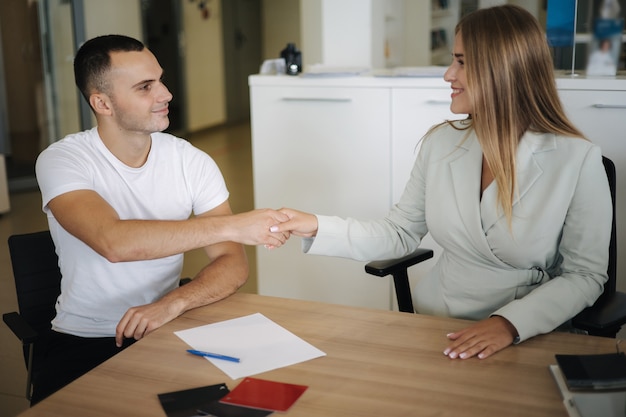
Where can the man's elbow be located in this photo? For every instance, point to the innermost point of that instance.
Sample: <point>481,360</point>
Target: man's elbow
<point>241,277</point>
<point>115,252</point>
<point>113,256</point>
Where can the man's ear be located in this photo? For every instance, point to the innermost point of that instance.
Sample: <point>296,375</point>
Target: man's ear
<point>100,103</point>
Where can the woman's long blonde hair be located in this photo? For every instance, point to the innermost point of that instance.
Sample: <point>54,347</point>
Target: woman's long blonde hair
<point>510,80</point>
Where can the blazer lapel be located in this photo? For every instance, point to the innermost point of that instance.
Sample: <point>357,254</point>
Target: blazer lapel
<point>528,171</point>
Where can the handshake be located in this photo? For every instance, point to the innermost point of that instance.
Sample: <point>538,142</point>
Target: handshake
<point>271,228</point>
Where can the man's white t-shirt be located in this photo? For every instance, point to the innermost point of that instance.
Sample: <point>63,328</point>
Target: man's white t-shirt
<point>176,181</point>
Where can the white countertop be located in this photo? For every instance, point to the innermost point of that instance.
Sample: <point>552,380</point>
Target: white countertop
<point>564,81</point>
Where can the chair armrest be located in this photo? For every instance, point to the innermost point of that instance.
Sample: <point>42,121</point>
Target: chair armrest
<point>389,266</point>
<point>20,327</point>
<point>605,317</point>
<point>398,269</point>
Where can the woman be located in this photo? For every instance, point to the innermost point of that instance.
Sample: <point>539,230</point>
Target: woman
<point>515,195</point>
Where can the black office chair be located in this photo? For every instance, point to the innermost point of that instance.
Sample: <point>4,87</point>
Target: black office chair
<point>608,314</point>
<point>38,285</point>
<point>604,318</point>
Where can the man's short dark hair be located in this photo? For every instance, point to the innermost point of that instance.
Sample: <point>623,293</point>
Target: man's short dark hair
<point>93,60</point>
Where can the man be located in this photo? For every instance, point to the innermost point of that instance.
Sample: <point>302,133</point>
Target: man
<point>118,199</point>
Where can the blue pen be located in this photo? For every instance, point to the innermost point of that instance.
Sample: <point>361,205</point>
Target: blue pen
<point>213,355</point>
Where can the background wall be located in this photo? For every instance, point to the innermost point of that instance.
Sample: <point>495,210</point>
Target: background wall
<point>60,33</point>
<point>113,16</point>
<point>280,22</point>
<point>203,66</point>
<point>23,67</point>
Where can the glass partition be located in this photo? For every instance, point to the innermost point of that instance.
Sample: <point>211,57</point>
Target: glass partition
<point>586,36</point>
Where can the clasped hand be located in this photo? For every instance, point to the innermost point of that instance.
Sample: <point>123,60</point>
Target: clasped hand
<point>297,223</point>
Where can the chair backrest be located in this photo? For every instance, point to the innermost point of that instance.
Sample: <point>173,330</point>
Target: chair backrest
<point>610,287</point>
<point>37,277</point>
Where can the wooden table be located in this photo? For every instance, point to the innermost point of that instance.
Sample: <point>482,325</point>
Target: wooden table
<point>378,363</point>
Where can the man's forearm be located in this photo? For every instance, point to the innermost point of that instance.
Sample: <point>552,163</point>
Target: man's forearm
<point>220,278</point>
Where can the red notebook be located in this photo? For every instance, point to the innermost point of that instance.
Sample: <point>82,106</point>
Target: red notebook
<point>263,394</point>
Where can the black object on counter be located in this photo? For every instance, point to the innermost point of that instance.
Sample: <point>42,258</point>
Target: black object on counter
<point>293,59</point>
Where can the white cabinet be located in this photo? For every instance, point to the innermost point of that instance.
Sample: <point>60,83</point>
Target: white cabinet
<point>323,150</point>
<point>346,146</point>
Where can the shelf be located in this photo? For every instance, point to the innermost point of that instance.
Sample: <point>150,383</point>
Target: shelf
<point>587,37</point>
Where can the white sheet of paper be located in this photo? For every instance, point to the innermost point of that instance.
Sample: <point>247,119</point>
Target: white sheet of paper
<point>261,344</point>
